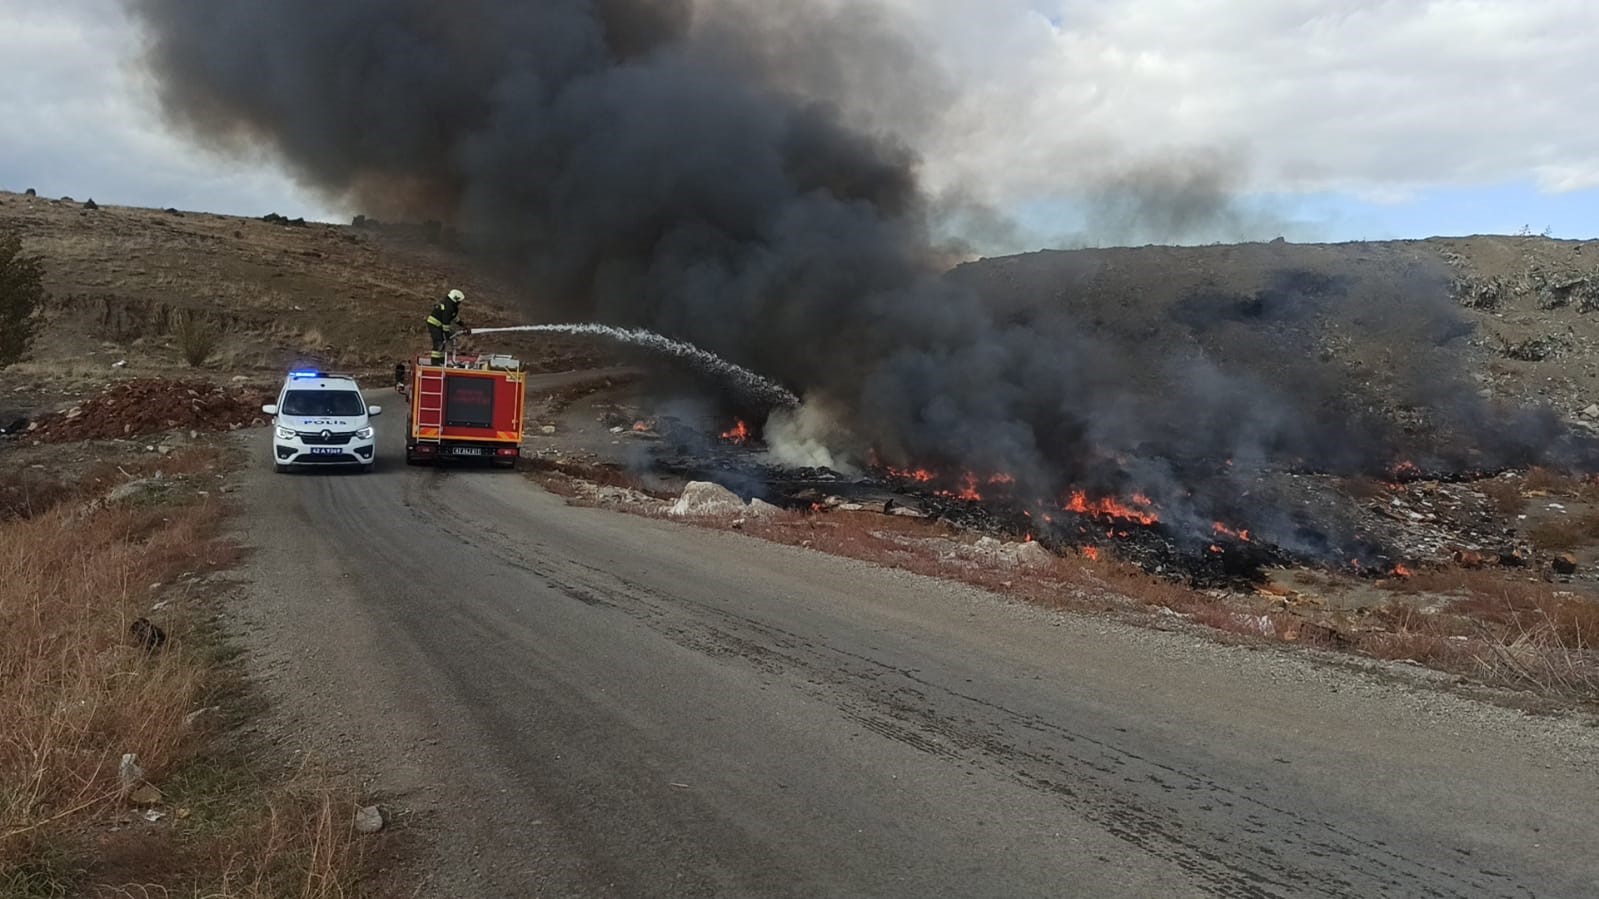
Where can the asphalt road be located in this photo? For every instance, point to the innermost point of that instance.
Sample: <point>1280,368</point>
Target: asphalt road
<point>575,702</point>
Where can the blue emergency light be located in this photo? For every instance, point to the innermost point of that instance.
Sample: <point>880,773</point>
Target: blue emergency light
<point>305,374</point>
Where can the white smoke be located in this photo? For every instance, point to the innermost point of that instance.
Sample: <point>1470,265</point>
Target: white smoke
<point>808,436</point>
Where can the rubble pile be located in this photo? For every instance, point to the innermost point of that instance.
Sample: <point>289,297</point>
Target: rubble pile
<point>152,405</point>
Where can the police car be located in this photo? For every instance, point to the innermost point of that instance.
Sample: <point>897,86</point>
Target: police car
<point>322,419</point>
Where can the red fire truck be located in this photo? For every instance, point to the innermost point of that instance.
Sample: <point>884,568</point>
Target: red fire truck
<point>469,407</point>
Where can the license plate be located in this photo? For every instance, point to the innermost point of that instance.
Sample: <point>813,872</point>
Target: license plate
<point>467,451</point>
<point>325,451</point>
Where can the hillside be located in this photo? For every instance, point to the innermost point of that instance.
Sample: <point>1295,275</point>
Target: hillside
<point>352,297</point>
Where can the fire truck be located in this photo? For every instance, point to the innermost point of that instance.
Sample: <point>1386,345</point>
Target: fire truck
<point>467,408</point>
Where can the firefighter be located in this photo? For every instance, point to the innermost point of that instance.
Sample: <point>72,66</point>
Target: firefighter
<point>445,322</point>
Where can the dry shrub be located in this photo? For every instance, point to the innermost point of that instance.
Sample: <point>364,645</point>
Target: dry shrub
<point>29,494</point>
<point>1547,480</point>
<point>197,338</point>
<point>1505,496</point>
<point>303,844</point>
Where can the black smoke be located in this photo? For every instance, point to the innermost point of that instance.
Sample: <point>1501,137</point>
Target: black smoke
<point>728,173</point>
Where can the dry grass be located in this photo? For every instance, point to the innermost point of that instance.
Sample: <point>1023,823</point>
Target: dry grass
<point>301,845</point>
<point>1499,626</point>
<point>1365,487</point>
<point>1549,481</point>
<point>1563,533</point>
<point>79,691</point>
<point>1505,496</point>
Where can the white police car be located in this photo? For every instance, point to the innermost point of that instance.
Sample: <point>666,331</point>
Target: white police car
<point>322,419</point>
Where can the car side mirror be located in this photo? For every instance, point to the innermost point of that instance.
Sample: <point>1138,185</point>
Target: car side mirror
<point>374,410</point>
<point>270,409</point>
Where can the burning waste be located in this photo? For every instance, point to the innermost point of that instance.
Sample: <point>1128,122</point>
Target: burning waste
<point>678,169</point>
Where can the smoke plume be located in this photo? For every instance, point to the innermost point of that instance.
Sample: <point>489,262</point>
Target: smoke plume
<point>736,174</point>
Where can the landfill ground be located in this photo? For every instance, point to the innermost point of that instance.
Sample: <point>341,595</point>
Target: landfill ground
<point>611,703</point>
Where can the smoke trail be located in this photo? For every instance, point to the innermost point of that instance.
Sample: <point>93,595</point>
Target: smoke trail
<point>750,383</point>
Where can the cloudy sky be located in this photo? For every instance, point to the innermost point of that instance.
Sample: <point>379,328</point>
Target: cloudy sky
<point>1324,119</point>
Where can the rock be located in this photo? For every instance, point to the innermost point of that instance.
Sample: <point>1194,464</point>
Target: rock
<point>1565,563</point>
<point>147,634</point>
<point>704,499</point>
<point>90,204</point>
<point>547,430</point>
<point>30,192</point>
<point>1591,412</point>
<point>129,774</point>
<point>132,489</point>
<point>119,363</point>
<point>145,795</point>
<point>762,509</point>
<point>369,819</point>
<point>1031,555</point>
<point>907,512</point>
<point>68,200</point>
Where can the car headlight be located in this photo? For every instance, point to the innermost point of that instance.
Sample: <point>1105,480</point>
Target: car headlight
<point>364,434</point>
<point>285,433</point>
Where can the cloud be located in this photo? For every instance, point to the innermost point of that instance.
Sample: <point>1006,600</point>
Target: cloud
<point>1035,99</point>
<point>1368,97</point>
<point>78,117</point>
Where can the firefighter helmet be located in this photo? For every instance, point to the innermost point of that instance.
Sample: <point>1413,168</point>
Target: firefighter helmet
<point>457,296</point>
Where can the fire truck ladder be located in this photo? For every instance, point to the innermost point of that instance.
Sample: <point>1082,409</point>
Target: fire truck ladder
<point>430,400</point>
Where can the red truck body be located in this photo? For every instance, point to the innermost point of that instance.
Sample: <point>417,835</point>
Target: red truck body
<point>470,408</point>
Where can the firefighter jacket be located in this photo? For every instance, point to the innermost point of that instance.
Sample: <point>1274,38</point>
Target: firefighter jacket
<point>446,316</point>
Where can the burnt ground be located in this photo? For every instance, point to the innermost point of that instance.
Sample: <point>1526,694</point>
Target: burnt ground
<point>284,294</point>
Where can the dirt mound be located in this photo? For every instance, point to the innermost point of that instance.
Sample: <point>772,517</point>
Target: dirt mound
<point>153,405</point>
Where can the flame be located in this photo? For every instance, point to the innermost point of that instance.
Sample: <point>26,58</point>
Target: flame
<point>1028,538</point>
<point>1001,480</point>
<point>1402,571</point>
<point>1091,553</point>
<point>969,489</point>
<point>1226,531</point>
<point>1216,549</point>
<point>1405,470</point>
<point>739,433</point>
<point>1139,509</point>
<point>647,426</point>
<point>919,475</point>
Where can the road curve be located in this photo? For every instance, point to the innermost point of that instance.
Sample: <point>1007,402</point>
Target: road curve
<point>572,702</point>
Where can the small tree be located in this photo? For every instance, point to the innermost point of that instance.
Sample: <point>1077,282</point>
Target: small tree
<point>21,297</point>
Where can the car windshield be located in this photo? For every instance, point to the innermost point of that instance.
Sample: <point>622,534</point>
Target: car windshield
<point>322,403</point>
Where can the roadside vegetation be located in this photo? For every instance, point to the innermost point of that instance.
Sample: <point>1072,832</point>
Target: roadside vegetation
<point>21,297</point>
<point>119,775</point>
